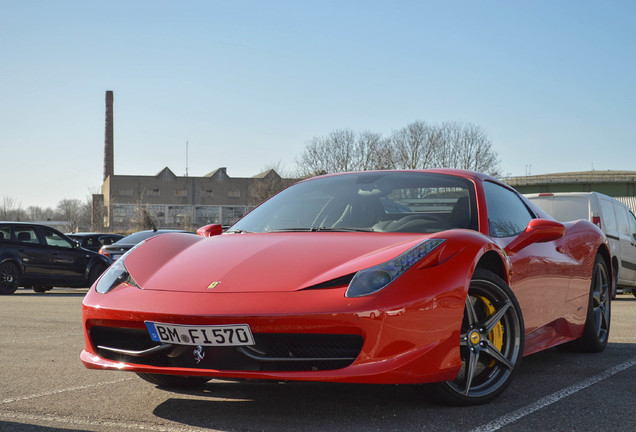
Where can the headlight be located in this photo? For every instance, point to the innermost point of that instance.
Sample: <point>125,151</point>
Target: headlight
<point>116,275</point>
<point>373,279</point>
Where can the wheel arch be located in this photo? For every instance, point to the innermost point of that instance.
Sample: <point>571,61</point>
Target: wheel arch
<point>493,262</point>
<point>92,264</point>
<point>13,260</point>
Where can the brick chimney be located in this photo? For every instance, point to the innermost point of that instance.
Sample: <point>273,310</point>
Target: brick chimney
<point>109,164</point>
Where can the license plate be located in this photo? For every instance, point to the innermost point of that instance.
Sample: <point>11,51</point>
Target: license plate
<point>214,335</point>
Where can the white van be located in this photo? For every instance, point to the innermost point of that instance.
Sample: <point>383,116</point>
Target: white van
<point>613,217</point>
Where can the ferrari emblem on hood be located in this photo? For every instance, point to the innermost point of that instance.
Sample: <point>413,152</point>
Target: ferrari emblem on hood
<point>213,285</point>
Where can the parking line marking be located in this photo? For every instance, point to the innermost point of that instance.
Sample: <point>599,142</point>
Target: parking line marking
<point>554,397</point>
<point>109,425</point>
<point>54,392</point>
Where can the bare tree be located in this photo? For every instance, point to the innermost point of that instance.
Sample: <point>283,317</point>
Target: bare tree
<point>70,210</point>
<point>373,152</point>
<point>36,213</point>
<point>11,210</point>
<point>345,150</point>
<point>466,146</point>
<point>143,220</point>
<point>333,153</point>
<point>417,145</point>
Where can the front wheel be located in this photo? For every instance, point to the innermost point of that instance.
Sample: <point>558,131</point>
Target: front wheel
<point>174,381</point>
<point>9,278</point>
<point>491,342</point>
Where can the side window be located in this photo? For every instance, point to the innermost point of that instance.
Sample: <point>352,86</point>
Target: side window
<point>623,221</point>
<point>53,239</point>
<point>608,215</point>
<point>26,235</point>
<point>632,224</point>
<point>507,213</point>
<point>5,233</point>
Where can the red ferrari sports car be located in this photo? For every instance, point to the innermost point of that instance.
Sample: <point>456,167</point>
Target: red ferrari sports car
<point>438,277</point>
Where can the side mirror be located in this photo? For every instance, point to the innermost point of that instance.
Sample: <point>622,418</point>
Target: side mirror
<point>537,231</point>
<point>210,230</point>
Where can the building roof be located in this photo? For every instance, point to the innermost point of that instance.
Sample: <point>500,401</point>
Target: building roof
<point>575,177</point>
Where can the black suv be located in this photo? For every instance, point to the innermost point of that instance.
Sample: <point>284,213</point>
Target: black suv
<point>41,257</point>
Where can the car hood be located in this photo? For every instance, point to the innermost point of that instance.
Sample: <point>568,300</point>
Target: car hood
<point>259,262</point>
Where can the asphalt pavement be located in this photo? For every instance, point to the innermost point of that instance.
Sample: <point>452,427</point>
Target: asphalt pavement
<point>44,387</point>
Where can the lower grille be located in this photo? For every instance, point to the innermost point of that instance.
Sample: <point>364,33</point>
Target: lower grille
<point>272,351</point>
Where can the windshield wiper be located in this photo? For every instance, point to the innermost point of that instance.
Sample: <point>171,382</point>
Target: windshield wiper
<point>342,229</point>
<point>322,229</point>
<point>238,231</point>
<point>291,230</point>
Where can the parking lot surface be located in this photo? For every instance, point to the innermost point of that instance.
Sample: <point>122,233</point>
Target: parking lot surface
<point>44,387</point>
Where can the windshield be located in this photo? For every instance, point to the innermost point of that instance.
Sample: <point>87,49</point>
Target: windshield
<point>369,201</point>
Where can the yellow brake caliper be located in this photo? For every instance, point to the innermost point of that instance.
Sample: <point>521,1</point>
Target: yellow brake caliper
<point>496,335</point>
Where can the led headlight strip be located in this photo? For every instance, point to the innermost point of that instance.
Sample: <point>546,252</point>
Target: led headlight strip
<point>373,279</point>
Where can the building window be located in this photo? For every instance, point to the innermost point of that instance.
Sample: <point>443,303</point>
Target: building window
<point>153,193</point>
<point>232,214</point>
<point>125,191</point>
<point>207,193</point>
<point>179,216</point>
<point>158,211</point>
<point>181,192</point>
<point>123,213</point>
<point>204,215</point>
<point>234,194</point>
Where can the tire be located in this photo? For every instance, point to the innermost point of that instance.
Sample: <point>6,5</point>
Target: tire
<point>9,278</point>
<point>95,272</point>
<point>174,381</point>
<point>41,289</point>
<point>491,343</point>
<point>597,323</point>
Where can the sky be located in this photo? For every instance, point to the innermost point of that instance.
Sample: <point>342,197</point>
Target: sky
<point>246,84</point>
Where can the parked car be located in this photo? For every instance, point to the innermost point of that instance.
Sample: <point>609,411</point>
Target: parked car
<point>41,257</point>
<point>120,247</point>
<point>613,217</point>
<point>94,241</point>
<point>334,280</point>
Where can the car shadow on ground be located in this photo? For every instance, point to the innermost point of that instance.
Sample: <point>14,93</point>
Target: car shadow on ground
<point>270,405</point>
<point>297,406</point>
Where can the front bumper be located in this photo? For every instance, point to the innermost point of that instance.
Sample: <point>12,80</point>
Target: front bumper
<point>398,336</point>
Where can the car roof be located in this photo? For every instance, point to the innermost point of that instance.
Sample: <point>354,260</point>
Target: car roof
<point>86,234</point>
<point>142,235</point>
<point>467,174</point>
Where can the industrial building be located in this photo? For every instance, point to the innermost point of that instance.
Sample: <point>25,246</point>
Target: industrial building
<point>166,200</point>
